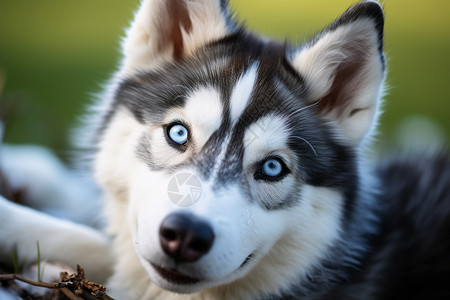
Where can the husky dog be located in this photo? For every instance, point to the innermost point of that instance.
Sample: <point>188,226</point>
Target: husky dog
<point>234,167</point>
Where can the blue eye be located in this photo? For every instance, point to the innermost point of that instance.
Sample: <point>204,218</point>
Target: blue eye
<point>178,134</point>
<point>272,167</point>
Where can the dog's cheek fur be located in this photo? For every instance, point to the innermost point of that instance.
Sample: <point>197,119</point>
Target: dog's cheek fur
<point>310,229</point>
<point>115,164</point>
<point>117,154</point>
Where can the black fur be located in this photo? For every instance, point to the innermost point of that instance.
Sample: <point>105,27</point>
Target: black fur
<point>412,251</point>
<point>409,254</point>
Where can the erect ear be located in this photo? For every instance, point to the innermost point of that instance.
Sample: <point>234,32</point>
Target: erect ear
<point>169,29</point>
<point>343,68</point>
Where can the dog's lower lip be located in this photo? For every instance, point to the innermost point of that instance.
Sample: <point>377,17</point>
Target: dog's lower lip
<point>173,276</point>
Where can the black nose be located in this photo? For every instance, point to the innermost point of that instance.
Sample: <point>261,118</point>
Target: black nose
<point>185,237</point>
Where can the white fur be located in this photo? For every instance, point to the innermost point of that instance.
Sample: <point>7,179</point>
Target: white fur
<point>39,173</point>
<point>203,110</point>
<point>268,134</point>
<point>115,146</point>
<point>241,93</point>
<point>59,240</point>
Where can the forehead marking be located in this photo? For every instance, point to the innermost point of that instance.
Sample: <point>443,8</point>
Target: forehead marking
<point>220,158</point>
<point>241,93</point>
<point>204,110</point>
<point>267,134</point>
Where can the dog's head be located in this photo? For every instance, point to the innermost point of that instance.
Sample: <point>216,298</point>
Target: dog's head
<point>231,156</point>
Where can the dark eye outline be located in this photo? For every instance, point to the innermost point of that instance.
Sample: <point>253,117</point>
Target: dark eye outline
<point>181,147</point>
<point>260,175</point>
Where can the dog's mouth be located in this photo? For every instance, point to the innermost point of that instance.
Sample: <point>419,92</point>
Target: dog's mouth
<point>247,259</point>
<point>174,276</point>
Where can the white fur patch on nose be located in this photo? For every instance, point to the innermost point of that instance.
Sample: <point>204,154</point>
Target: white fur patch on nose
<point>204,111</point>
<point>242,91</point>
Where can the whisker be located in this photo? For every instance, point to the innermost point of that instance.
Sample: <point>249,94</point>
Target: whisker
<point>303,108</point>
<point>309,144</point>
<point>180,86</point>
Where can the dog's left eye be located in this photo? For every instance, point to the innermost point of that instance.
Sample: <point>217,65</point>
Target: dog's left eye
<point>177,135</point>
<point>272,169</point>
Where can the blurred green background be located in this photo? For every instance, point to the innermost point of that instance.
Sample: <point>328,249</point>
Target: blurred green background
<point>55,54</point>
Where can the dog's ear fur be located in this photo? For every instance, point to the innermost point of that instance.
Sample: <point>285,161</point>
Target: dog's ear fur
<point>343,68</point>
<point>170,29</point>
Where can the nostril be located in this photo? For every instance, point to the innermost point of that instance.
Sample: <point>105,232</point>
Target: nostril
<point>168,234</point>
<point>203,238</point>
<point>200,245</point>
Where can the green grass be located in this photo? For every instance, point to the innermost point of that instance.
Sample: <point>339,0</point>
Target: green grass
<point>56,53</point>
<point>39,274</point>
<point>17,267</point>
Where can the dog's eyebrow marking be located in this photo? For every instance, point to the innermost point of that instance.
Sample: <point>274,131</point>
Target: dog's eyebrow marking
<point>242,91</point>
<point>267,134</point>
<point>204,109</point>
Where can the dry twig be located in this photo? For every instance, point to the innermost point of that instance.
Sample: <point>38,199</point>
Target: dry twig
<point>50,285</point>
<point>74,286</point>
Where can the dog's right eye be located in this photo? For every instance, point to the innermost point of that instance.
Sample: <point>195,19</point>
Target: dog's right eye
<point>177,135</point>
